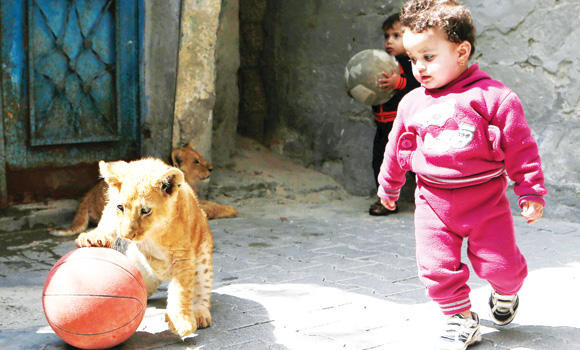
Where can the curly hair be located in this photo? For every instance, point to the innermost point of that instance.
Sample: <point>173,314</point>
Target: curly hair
<point>450,16</point>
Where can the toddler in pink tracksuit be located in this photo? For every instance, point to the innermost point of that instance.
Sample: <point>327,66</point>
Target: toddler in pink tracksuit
<point>461,132</point>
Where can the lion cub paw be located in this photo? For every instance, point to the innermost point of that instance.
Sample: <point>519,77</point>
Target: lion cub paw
<point>180,324</point>
<point>85,239</point>
<point>202,316</point>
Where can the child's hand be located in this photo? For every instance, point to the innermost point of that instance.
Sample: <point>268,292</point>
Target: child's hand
<point>532,211</point>
<point>391,205</point>
<point>389,81</point>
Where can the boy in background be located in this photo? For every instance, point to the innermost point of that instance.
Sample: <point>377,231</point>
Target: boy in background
<point>386,113</point>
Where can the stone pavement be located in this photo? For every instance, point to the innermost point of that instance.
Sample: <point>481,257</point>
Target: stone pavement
<point>312,276</point>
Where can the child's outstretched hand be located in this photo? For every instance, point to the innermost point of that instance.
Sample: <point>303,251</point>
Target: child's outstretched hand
<point>389,81</point>
<point>532,211</point>
<point>391,205</point>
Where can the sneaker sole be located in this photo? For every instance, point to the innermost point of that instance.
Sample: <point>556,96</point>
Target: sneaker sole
<point>475,338</point>
<point>505,322</point>
<point>508,320</point>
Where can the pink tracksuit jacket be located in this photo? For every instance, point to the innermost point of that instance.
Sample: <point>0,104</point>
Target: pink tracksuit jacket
<point>460,141</point>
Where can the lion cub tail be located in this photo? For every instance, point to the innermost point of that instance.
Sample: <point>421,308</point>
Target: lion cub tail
<point>79,224</point>
<point>89,210</point>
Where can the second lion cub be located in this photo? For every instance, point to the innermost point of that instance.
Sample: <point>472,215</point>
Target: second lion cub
<point>151,205</point>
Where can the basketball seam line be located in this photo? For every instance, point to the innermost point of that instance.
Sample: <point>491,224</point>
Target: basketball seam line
<point>101,259</point>
<point>91,295</point>
<point>109,331</point>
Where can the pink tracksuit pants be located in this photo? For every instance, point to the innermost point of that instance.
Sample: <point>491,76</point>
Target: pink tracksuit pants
<point>481,213</point>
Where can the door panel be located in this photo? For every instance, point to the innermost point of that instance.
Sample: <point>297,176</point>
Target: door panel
<point>72,72</point>
<point>70,82</point>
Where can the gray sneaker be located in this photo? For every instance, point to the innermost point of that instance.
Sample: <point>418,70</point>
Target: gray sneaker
<point>460,332</point>
<point>503,308</point>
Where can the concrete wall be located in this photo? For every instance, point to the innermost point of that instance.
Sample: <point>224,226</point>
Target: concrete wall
<point>311,119</point>
<point>253,105</point>
<point>159,73</point>
<point>195,91</point>
<point>532,46</point>
<point>192,51</point>
<point>292,99</point>
<point>225,116</point>
<point>529,45</point>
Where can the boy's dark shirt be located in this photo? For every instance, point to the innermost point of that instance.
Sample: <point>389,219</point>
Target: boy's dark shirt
<point>387,112</point>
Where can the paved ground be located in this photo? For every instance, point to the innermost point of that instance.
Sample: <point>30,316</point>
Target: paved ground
<point>316,274</point>
<point>322,276</point>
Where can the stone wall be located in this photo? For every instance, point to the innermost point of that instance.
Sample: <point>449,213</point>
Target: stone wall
<point>529,45</point>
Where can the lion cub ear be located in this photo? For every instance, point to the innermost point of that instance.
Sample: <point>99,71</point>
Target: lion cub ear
<point>111,172</point>
<point>170,181</point>
<point>177,157</point>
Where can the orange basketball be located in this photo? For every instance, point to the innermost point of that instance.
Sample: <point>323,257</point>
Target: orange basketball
<point>94,298</point>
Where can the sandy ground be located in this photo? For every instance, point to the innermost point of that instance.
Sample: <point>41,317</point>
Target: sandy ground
<point>259,177</point>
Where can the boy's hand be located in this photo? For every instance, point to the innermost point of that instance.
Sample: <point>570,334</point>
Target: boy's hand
<point>532,211</point>
<point>389,81</point>
<point>391,205</point>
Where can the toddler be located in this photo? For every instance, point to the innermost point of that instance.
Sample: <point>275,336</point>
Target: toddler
<point>461,132</point>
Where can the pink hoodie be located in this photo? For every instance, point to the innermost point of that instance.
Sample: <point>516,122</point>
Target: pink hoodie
<point>465,133</point>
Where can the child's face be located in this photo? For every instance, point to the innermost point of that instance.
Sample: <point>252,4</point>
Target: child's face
<point>436,60</point>
<point>394,40</point>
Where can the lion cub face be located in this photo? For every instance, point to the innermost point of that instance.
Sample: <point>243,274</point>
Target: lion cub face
<point>193,165</point>
<point>144,193</point>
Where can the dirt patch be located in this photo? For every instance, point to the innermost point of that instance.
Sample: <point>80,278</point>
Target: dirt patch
<point>259,176</point>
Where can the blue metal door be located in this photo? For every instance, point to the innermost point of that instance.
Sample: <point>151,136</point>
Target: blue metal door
<point>70,83</point>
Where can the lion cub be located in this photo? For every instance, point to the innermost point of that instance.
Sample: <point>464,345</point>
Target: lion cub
<point>151,205</point>
<point>195,168</point>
